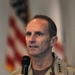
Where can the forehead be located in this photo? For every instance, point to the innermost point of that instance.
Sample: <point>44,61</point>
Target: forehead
<point>37,25</point>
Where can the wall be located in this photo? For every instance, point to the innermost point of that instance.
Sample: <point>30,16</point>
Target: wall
<point>4,9</point>
<point>68,22</point>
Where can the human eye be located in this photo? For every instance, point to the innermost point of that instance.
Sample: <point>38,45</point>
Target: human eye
<point>39,33</point>
<point>28,33</point>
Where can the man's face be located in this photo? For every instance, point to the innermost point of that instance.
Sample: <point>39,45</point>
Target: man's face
<point>37,37</point>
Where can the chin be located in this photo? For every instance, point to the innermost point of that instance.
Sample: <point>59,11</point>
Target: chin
<point>33,54</point>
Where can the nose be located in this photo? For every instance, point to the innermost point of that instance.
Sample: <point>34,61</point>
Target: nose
<point>32,39</point>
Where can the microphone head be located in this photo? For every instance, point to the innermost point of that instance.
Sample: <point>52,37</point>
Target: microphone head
<point>26,60</point>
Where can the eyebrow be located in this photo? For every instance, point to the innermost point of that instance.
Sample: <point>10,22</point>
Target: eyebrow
<point>38,32</point>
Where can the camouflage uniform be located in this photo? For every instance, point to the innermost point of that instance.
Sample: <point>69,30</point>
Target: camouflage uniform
<point>59,68</point>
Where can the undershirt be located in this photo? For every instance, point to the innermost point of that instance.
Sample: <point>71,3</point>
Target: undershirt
<point>40,72</point>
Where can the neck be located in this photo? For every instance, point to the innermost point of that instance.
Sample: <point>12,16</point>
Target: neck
<point>42,62</point>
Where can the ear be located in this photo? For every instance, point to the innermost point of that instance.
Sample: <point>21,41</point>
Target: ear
<point>53,40</point>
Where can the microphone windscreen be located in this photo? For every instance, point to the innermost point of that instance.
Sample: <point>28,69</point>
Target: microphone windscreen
<point>25,60</point>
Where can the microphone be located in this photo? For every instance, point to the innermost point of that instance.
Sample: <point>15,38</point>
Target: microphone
<point>25,65</point>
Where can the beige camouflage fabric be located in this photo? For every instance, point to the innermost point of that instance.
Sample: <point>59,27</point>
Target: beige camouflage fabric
<point>60,68</point>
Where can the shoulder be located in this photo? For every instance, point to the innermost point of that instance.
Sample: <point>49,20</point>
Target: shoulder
<point>66,67</point>
<point>16,72</point>
<point>71,69</point>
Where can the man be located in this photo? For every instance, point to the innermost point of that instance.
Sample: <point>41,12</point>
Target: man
<point>41,36</point>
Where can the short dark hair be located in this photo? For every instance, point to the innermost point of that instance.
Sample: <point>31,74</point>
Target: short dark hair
<point>51,25</point>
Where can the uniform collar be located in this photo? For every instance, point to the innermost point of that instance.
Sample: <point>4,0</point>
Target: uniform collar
<point>58,67</point>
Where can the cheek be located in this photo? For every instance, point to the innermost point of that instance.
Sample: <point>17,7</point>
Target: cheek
<point>44,46</point>
<point>26,41</point>
<point>45,43</point>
